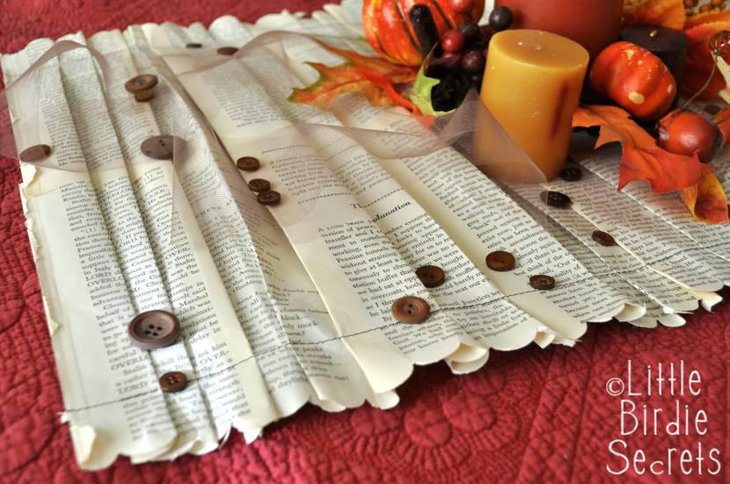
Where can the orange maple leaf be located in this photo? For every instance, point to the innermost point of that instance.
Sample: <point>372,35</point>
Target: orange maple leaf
<point>641,158</point>
<point>707,200</point>
<point>667,13</point>
<point>375,78</point>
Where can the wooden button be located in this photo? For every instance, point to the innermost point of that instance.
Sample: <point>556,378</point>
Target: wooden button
<point>227,50</point>
<point>269,197</point>
<point>500,261</point>
<point>248,163</point>
<point>431,276</point>
<point>35,153</point>
<point>259,185</point>
<point>154,329</point>
<point>542,282</point>
<point>143,82</point>
<point>194,45</point>
<point>410,310</point>
<point>144,95</point>
<point>173,382</point>
<point>161,147</point>
<point>603,238</point>
<point>571,173</point>
<point>555,199</point>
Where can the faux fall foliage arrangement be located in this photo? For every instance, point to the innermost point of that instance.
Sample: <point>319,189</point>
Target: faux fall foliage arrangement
<point>673,161</point>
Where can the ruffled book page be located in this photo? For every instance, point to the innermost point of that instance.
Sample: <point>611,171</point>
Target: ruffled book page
<point>290,304</point>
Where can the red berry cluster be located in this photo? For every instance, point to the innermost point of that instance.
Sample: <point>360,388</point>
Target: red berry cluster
<point>460,55</point>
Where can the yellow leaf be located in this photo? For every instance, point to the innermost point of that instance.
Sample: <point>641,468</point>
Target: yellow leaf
<point>707,200</point>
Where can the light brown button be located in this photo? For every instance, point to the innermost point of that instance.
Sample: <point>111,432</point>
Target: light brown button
<point>227,50</point>
<point>259,185</point>
<point>35,153</point>
<point>269,197</point>
<point>173,382</point>
<point>501,261</point>
<point>410,310</point>
<point>161,147</point>
<point>571,173</point>
<point>603,238</point>
<point>555,199</point>
<point>143,82</point>
<point>248,163</point>
<point>431,276</point>
<point>154,329</point>
<point>542,282</point>
<point>194,45</point>
<point>144,95</point>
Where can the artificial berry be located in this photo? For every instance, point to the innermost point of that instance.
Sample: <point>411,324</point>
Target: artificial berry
<point>473,62</point>
<point>440,67</point>
<point>500,18</point>
<point>452,42</point>
<point>471,32</point>
<point>462,6</point>
<point>687,133</point>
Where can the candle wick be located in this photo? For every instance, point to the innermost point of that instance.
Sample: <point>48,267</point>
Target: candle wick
<point>653,34</point>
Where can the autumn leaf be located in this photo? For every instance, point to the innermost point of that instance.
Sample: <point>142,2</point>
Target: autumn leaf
<point>641,158</point>
<point>707,200</point>
<point>375,78</point>
<point>667,13</point>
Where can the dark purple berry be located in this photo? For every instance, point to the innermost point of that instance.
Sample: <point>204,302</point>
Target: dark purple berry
<point>500,18</point>
<point>439,67</point>
<point>473,62</point>
<point>471,33</point>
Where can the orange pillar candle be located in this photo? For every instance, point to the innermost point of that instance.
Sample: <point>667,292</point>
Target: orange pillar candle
<point>532,85</point>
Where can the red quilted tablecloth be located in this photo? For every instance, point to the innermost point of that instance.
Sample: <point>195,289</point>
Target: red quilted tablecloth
<point>529,416</point>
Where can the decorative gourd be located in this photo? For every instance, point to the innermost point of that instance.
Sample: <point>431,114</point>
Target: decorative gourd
<point>390,33</point>
<point>635,79</point>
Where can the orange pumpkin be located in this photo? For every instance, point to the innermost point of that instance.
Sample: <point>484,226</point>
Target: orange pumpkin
<point>391,35</point>
<point>635,79</point>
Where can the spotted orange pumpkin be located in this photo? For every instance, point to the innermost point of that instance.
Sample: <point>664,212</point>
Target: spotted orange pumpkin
<point>390,33</point>
<point>635,79</point>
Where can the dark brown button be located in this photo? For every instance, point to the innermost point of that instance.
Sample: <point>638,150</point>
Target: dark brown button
<point>500,261</point>
<point>161,147</point>
<point>248,163</point>
<point>269,197</point>
<point>259,185</point>
<point>431,276</point>
<point>154,329</point>
<point>194,45</point>
<point>410,310</point>
<point>173,382</point>
<point>555,199</point>
<point>142,82</point>
<point>144,95</point>
<point>35,153</point>
<point>227,50</point>
<point>542,282</point>
<point>571,173</point>
<point>603,238</point>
